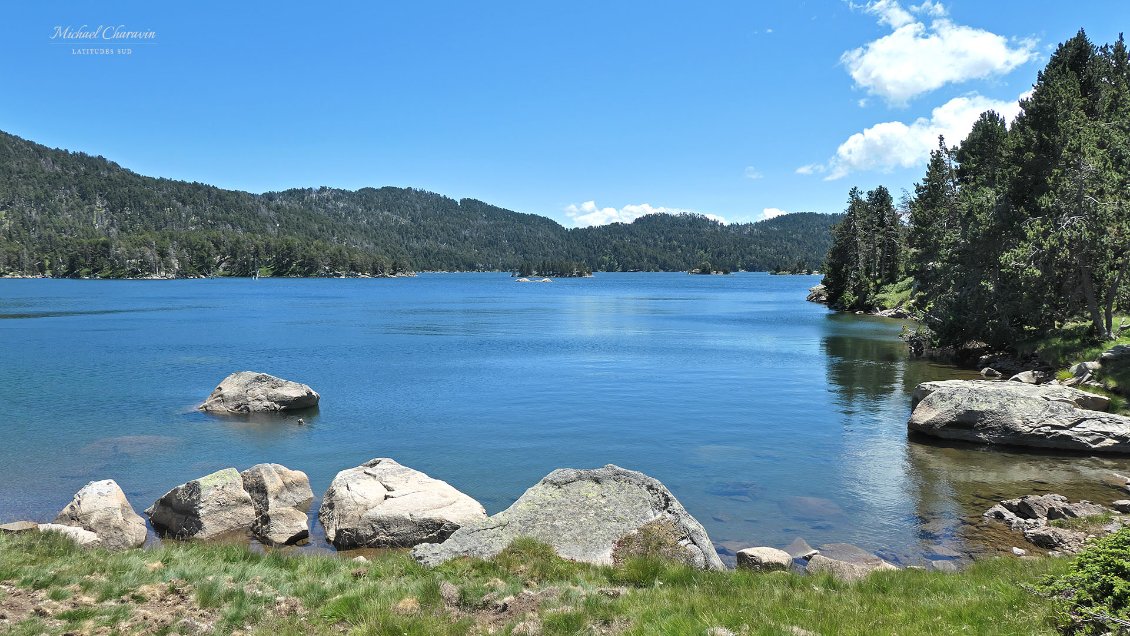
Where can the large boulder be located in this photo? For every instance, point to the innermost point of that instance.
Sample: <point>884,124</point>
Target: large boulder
<point>1018,414</point>
<point>281,497</point>
<point>383,504</point>
<point>251,392</point>
<point>1115,355</point>
<point>204,508</point>
<point>102,508</point>
<point>591,516</point>
<point>846,571</point>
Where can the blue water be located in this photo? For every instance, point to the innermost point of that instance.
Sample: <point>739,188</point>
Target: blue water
<point>767,416</point>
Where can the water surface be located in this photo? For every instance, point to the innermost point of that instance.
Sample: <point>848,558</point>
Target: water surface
<point>768,417</point>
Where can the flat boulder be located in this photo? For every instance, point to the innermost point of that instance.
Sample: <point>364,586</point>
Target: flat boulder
<point>383,504</point>
<point>204,508</point>
<point>281,498</point>
<point>846,571</point>
<point>1018,414</point>
<point>81,536</point>
<point>251,392</point>
<point>1115,355</point>
<point>592,516</point>
<point>102,508</point>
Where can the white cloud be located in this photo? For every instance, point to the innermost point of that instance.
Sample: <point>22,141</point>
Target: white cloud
<point>588,213</point>
<point>771,213</point>
<point>915,58</point>
<point>812,168</point>
<point>894,144</point>
<point>753,173</point>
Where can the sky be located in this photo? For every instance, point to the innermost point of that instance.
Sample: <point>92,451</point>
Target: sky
<point>586,112</point>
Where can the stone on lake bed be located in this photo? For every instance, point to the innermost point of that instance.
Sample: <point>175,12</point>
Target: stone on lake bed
<point>251,392</point>
<point>845,570</point>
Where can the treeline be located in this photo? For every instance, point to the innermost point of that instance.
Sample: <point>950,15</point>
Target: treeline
<point>1019,228</point>
<point>69,214</point>
<point>560,269</point>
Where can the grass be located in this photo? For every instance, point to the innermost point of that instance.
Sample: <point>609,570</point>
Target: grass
<point>234,588</point>
<point>1074,342</point>
<point>1092,524</point>
<point>897,294</point>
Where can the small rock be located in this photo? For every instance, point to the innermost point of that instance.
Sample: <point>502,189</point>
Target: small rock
<point>989,372</point>
<point>719,631</point>
<point>943,565</point>
<point>1030,377</point>
<point>764,559</point>
<point>154,566</point>
<point>1057,539</point>
<point>360,559</point>
<point>1122,505</point>
<point>1019,551</point>
<point>1117,353</point>
<point>193,627</point>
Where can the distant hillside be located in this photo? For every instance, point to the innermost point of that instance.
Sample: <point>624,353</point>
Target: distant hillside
<point>68,214</point>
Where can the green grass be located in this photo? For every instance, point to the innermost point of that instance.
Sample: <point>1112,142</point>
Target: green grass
<point>1090,524</point>
<point>393,595</point>
<point>896,294</point>
<point>1074,342</point>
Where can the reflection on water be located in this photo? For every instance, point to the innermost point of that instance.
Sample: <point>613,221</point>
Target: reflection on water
<point>770,418</point>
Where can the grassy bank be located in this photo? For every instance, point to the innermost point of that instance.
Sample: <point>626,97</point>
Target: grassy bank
<point>1074,342</point>
<point>48,585</point>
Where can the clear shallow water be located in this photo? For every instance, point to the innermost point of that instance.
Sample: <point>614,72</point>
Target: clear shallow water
<point>768,417</point>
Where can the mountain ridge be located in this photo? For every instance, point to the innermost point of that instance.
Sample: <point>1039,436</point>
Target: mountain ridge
<point>71,214</point>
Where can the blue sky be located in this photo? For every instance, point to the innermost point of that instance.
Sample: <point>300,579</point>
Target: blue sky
<point>585,112</point>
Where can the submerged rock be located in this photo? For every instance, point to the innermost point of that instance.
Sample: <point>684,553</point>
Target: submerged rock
<point>1019,414</point>
<point>383,504</point>
<point>281,498</point>
<point>102,508</point>
<point>251,392</point>
<point>846,570</point>
<point>585,515</point>
<point>204,508</point>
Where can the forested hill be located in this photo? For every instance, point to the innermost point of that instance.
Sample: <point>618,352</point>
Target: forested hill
<point>68,214</point>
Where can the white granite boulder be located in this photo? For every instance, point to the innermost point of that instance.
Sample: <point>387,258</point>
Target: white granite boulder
<point>251,392</point>
<point>204,508</point>
<point>383,504</point>
<point>102,508</point>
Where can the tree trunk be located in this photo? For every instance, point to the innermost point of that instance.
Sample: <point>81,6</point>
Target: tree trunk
<point>1092,301</point>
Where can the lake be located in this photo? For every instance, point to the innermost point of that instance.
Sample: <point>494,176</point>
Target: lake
<point>769,417</point>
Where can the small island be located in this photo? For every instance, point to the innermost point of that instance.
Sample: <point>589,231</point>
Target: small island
<point>554,269</point>
<point>706,268</point>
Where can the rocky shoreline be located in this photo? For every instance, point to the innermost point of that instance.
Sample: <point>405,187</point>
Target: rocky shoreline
<point>602,516</point>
